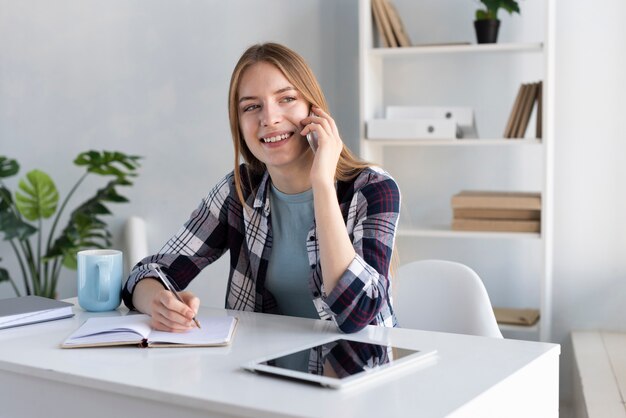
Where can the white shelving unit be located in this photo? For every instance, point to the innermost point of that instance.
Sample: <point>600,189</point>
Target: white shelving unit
<point>516,267</point>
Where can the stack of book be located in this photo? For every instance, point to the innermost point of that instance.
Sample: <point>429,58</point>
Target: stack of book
<point>527,96</point>
<point>389,25</point>
<point>496,211</point>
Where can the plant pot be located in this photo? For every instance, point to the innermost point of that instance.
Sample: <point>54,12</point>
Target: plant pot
<point>487,30</point>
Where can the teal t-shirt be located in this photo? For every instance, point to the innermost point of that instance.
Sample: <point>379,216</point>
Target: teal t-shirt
<point>289,270</point>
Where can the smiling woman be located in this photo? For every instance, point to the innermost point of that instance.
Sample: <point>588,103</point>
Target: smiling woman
<point>271,113</point>
<point>309,234</point>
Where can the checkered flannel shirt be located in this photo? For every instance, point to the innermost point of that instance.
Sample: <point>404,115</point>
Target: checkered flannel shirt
<point>370,206</point>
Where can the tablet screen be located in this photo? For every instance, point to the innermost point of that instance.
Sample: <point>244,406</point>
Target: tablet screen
<point>337,362</point>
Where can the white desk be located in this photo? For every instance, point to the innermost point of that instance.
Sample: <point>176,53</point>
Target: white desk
<point>473,376</point>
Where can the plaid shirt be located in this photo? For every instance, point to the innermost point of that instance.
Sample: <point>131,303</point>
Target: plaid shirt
<point>370,205</point>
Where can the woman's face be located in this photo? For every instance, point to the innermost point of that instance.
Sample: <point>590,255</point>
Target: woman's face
<point>270,111</point>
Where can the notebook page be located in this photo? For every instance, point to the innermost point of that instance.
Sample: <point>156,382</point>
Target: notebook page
<point>215,330</point>
<point>109,329</point>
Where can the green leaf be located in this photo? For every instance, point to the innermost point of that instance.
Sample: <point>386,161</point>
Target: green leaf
<point>492,7</point>
<point>107,163</point>
<point>4,275</point>
<point>14,227</point>
<point>10,224</point>
<point>85,229</point>
<point>8,167</point>
<point>510,6</point>
<point>40,196</point>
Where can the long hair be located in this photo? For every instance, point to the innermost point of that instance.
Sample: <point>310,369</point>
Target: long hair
<point>299,74</point>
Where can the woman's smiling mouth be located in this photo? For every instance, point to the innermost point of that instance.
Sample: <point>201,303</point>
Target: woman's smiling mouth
<point>276,137</point>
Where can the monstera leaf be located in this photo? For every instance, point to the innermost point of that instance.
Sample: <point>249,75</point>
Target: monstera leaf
<point>8,167</point>
<point>40,197</point>
<point>108,163</point>
<point>85,229</point>
<point>4,274</point>
<point>10,224</point>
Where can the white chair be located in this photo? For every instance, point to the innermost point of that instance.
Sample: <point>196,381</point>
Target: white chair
<point>446,296</point>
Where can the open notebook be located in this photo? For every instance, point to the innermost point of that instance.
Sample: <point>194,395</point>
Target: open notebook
<point>136,330</point>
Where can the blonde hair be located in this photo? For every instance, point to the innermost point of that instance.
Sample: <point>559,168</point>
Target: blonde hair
<point>299,74</point>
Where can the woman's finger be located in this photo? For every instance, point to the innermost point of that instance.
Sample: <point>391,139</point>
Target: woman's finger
<point>331,122</point>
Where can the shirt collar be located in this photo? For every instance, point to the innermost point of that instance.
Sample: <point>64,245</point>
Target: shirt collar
<point>262,197</point>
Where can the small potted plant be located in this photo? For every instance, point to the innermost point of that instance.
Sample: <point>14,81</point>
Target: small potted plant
<point>487,23</point>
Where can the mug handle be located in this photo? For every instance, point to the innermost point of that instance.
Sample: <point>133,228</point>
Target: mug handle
<point>104,276</point>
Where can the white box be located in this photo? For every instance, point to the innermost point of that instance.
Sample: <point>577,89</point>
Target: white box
<point>463,116</point>
<point>411,129</point>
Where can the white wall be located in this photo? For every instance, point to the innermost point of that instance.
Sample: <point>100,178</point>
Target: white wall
<point>590,198</point>
<point>150,78</point>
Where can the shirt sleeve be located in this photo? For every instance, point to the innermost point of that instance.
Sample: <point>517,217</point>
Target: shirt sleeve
<point>198,243</point>
<point>362,295</point>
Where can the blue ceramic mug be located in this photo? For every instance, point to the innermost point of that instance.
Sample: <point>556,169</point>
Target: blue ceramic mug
<point>99,279</point>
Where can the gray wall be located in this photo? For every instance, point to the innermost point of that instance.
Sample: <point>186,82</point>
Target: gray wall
<point>151,77</point>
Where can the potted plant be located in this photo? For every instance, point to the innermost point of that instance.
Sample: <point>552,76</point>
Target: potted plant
<point>487,23</point>
<point>21,218</point>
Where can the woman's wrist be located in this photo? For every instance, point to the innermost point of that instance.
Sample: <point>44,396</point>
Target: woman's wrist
<point>321,185</point>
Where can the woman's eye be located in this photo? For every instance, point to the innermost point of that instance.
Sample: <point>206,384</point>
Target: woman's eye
<point>288,99</point>
<point>250,107</point>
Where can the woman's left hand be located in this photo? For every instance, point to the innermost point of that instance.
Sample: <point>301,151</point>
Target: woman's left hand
<point>329,146</point>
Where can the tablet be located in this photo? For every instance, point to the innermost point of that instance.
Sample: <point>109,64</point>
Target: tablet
<point>340,363</point>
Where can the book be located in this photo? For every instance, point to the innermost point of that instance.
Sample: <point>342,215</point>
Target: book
<point>539,120</point>
<point>514,112</point>
<point>495,225</point>
<point>379,26</point>
<point>514,316</point>
<point>527,109</point>
<point>135,329</point>
<point>496,200</point>
<point>384,19</point>
<point>396,23</point>
<point>31,310</point>
<point>478,213</point>
<point>526,90</point>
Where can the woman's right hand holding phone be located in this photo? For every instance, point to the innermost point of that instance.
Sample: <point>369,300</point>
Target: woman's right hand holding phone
<point>329,146</point>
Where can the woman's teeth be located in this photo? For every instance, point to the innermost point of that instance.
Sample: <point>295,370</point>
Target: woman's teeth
<point>276,138</point>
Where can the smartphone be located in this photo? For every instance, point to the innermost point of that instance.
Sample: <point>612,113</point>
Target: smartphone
<point>311,137</point>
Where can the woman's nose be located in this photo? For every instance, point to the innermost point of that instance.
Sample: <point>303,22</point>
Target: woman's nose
<point>270,114</point>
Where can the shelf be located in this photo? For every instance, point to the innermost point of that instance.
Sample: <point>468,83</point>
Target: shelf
<point>446,232</point>
<point>454,142</point>
<point>485,78</point>
<point>462,48</point>
<point>519,328</point>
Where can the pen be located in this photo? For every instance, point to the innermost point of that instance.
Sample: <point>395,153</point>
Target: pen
<point>169,287</point>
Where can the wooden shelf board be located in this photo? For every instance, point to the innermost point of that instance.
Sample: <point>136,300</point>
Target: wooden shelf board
<point>461,48</point>
<point>455,142</point>
<point>446,232</point>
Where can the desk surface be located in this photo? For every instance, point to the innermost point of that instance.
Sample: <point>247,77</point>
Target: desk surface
<point>209,380</point>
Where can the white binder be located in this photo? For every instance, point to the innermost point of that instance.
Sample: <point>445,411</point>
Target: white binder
<point>411,129</point>
<point>463,116</point>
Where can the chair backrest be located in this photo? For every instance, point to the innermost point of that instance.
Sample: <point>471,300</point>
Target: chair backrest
<point>446,296</point>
